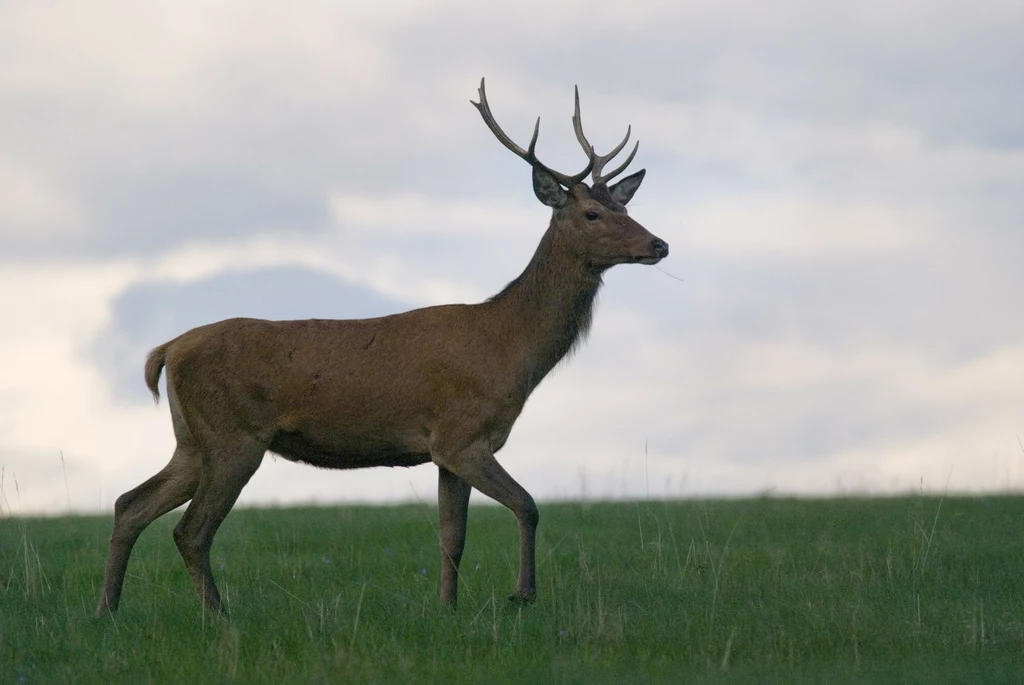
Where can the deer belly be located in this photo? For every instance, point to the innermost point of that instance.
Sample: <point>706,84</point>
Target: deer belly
<point>353,453</point>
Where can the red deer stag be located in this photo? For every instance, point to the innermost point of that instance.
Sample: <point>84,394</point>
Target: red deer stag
<point>442,384</point>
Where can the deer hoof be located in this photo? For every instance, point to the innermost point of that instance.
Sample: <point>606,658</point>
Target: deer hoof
<point>520,599</point>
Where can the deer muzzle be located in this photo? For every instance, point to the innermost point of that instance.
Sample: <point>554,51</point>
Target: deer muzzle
<point>659,250</point>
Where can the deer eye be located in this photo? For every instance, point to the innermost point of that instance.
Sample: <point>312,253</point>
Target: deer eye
<point>591,216</point>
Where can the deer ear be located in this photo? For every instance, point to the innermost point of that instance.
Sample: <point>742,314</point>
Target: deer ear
<point>548,190</point>
<point>622,192</point>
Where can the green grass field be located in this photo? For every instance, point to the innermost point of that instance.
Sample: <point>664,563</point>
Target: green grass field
<point>903,590</point>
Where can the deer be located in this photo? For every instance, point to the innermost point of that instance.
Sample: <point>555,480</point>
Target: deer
<point>441,384</point>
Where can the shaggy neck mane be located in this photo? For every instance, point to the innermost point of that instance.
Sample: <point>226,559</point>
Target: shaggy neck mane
<point>552,301</point>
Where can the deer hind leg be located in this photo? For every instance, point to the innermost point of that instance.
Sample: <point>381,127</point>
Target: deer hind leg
<point>225,473</point>
<point>137,508</point>
<point>477,466</point>
<point>453,509</point>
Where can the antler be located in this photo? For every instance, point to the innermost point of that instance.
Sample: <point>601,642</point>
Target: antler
<point>528,154</point>
<point>601,160</point>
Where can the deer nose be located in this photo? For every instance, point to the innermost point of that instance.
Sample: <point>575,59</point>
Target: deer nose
<point>660,248</point>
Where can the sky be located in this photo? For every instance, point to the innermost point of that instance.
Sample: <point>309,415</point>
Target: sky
<point>841,184</point>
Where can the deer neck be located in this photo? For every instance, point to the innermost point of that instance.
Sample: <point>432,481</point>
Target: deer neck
<point>547,310</point>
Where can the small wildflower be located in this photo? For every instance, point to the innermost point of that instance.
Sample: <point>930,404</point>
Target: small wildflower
<point>424,572</point>
<point>327,562</point>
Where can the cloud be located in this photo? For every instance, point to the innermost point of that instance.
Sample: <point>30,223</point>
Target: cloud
<point>840,185</point>
<point>32,208</point>
<point>417,215</point>
<point>801,228</point>
<point>673,420</point>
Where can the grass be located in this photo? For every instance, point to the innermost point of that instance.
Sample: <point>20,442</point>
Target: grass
<point>912,589</point>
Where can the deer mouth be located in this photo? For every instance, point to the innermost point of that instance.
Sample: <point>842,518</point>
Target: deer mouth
<point>660,249</point>
<point>647,260</point>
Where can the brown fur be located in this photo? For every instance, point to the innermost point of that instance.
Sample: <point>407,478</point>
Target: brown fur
<point>442,384</point>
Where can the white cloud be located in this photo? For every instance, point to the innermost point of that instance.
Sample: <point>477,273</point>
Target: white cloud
<point>52,399</point>
<point>843,142</point>
<point>779,225</point>
<point>742,415</point>
<point>405,215</point>
<point>344,258</point>
<point>33,207</point>
<point>176,49</point>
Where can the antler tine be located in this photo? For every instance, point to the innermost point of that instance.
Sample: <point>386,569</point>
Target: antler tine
<point>485,112</point>
<point>529,154</point>
<point>622,167</point>
<point>601,160</point>
<point>577,124</point>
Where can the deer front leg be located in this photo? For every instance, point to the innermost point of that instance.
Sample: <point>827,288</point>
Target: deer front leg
<point>477,466</point>
<point>453,509</point>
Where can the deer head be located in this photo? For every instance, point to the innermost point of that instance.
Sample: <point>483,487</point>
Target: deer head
<point>591,219</point>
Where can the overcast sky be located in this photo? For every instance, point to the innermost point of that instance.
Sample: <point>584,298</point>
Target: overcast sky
<point>841,184</point>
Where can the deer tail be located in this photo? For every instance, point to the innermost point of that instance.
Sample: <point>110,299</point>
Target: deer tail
<point>154,364</point>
